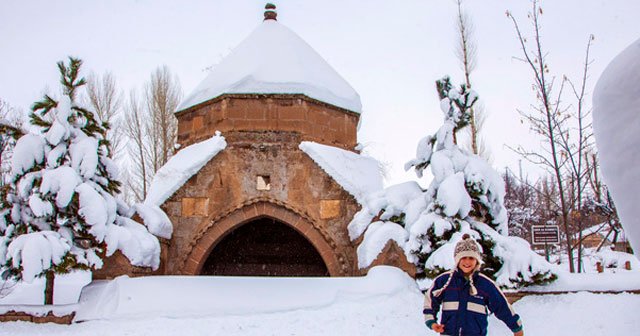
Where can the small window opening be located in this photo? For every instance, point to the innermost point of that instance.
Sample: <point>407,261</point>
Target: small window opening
<point>264,182</point>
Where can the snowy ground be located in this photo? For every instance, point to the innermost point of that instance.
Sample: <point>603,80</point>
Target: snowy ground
<point>386,302</point>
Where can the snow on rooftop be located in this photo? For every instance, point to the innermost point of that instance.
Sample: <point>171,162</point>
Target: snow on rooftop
<point>359,175</point>
<point>616,126</point>
<point>603,230</point>
<point>271,60</point>
<point>181,167</point>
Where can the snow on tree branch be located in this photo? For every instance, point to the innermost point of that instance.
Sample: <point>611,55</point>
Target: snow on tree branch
<point>466,195</point>
<point>36,252</point>
<point>61,210</point>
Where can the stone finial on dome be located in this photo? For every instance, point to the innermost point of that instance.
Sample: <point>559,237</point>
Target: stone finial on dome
<point>270,12</point>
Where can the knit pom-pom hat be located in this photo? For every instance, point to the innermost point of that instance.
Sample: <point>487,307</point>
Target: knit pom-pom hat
<point>467,247</point>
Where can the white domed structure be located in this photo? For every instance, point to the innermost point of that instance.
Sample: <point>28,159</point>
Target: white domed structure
<point>275,60</point>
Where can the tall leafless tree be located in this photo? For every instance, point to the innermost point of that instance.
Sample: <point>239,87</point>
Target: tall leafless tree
<point>152,128</point>
<point>576,142</point>
<point>106,100</point>
<point>162,95</point>
<point>523,204</point>
<point>595,179</point>
<point>11,122</point>
<point>547,118</point>
<point>602,199</point>
<point>466,52</point>
<point>135,130</point>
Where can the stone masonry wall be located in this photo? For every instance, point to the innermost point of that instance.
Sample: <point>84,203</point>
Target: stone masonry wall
<point>311,119</point>
<point>261,173</point>
<point>230,180</point>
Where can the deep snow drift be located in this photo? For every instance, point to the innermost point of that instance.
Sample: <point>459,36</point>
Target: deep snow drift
<point>187,296</point>
<point>386,302</point>
<point>616,125</point>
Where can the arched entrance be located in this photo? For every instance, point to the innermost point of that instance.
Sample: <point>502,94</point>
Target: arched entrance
<point>264,247</point>
<point>210,236</point>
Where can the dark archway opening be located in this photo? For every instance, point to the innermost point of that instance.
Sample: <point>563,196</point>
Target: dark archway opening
<point>265,247</point>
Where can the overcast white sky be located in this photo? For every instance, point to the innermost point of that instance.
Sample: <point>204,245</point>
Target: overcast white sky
<point>391,52</point>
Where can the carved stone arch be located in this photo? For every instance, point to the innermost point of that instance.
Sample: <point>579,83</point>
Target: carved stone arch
<point>220,226</point>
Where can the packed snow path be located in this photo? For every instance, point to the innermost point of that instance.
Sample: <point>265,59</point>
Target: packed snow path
<point>549,315</point>
<point>386,302</point>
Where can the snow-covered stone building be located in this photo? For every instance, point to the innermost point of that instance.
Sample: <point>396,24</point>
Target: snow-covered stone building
<point>277,178</point>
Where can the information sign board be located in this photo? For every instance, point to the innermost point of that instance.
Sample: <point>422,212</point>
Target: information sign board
<point>545,234</point>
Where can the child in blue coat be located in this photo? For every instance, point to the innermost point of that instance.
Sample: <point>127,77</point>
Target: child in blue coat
<point>466,297</point>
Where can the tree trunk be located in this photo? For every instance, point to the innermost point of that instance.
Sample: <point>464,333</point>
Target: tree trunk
<point>580,246</point>
<point>547,124</point>
<point>48,289</point>
<point>565,222</point>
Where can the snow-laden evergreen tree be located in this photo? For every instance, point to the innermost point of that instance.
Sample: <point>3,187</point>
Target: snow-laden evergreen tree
<point>61,211</point>
<point>466,195</point>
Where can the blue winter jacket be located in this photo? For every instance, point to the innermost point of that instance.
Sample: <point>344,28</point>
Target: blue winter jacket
<point>464,314</point>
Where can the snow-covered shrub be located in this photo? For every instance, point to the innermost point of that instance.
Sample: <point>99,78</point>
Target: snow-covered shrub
<point>59,211</point>
<point>466,195</point>
<point>615,259</point>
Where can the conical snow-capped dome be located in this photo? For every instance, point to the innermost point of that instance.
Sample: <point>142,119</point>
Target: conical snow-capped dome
<point>274,60</point>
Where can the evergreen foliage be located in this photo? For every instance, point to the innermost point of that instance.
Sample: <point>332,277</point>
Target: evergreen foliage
<point>487,206</point>
<point>60,196</point>
<point>466,195</point>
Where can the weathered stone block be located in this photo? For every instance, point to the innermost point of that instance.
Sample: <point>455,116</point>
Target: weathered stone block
<point>201,207</point>
<point>330,209</point>
<point>188,206</point>
<point>255,113</point>
<point>292,113</point>
<point>198,123</point>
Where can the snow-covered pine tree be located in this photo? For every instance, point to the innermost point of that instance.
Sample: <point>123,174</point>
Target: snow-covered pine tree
<point>61,213</point>
<point>466,195</point>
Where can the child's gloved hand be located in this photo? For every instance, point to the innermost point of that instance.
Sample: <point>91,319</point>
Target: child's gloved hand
<point>519,333</point>
<point>439,328</point>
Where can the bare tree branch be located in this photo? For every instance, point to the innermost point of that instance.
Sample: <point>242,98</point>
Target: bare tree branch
<point>152,128</point>
<point>549,122</point>
<point>106,100</point>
